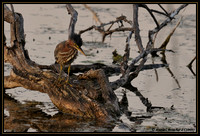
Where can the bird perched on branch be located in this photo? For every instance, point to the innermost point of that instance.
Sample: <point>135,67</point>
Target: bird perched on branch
<point>66,52</point>
<point>117,58</point>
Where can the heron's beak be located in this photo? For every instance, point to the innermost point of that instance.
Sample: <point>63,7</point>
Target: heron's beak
<point>78,48</point>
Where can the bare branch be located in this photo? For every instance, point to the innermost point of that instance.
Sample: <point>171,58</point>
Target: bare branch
<point>190,64</point>
<point>95,16</point>
<point>163,10</point>
<point>74,15</point>
<point>14,80</point>
<point>164,23</point>
<point>104,33</point>
<point>17,25</point>
<point>109,32</point>
<point>143,55</point>
<point>150,12</point>
<point>124,64</point>
<point>136,28</point>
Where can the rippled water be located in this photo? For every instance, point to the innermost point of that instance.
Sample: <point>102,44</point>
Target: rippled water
<point>174,87</point>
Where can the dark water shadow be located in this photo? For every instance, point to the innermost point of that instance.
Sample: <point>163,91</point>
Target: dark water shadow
<point>168,115</point>
<point>26,117</point>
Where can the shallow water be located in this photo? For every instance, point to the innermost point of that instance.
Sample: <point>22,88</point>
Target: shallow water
<point>46,25</point>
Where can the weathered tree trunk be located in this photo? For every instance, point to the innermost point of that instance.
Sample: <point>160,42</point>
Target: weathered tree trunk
<point>91,98</point>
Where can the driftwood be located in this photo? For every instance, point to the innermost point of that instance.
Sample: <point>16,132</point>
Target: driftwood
<point>91,98</point>
<point>91,94</point>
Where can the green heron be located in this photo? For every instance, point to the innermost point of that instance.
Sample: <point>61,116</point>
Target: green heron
<point>66,52</point>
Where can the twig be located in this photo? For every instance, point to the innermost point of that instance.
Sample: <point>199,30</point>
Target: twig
<point>143,55</point>
<point>174,13</point>
<point>163,10</point>
<point>124,64</point>
<point>123,80</point>
<point>158,12</point>
<point>190,64</point>
<point>109,32</point>
<point>150,12</point>
<point>104,33</point>
<point>164,44</point>
<point>95,16</point>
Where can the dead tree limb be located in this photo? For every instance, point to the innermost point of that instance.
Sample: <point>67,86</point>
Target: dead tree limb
<point>164,23</point>
<point>126,55</point>
<point>127,78</point>
<point>95,16</point>
<point>74,15</point>
<point>86,98</point>
<point>136,28</point>
<point>150,12</point>
<point>108,69</point>
<point>104,33</point>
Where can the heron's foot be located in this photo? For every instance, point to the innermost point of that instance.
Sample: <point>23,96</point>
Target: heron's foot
<point>58,82</point>
<point>67,82</point>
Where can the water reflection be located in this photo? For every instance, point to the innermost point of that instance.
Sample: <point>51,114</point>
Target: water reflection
<point>27,117</point>
<point>163,59</point>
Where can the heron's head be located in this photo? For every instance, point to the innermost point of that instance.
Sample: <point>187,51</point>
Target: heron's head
<point>77,43</point>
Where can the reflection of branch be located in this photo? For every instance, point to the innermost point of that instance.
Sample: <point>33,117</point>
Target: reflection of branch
<point>169,70</point>
<point>156,72</point>
<point>144,100</point>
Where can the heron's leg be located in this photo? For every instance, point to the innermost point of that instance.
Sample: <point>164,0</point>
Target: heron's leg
<point>58,81</point>
<point>61,67</point>
<point>68,73</point>
<point>67,81</point>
